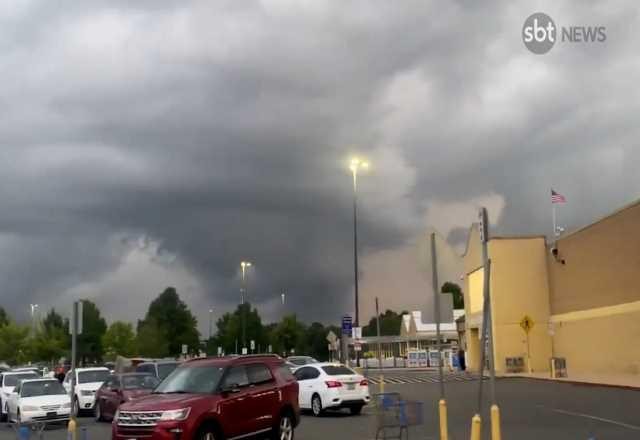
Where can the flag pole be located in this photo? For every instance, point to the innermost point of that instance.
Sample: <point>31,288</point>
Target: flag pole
<point>553,215</point>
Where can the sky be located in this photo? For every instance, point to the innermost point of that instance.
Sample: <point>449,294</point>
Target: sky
<point>158,143</point>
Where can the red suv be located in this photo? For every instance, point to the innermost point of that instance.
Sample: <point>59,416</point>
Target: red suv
<point>214,399</point>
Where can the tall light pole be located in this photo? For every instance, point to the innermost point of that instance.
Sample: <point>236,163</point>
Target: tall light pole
<point>356,165</point>
<point>210,323</point>
<point>34,307</point>
<point>244,265</point>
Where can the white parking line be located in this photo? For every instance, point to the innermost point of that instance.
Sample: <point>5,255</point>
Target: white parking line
<point>600,419</point>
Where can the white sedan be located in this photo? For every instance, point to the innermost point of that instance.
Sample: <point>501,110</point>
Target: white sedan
<point>8,381</point>
<point>39,400</point>
<point>331,386</point>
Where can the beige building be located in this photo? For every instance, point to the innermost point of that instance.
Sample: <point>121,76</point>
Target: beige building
<point>583,298</point>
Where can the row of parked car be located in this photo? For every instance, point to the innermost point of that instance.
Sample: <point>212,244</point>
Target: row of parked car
<point>28,396</point>
<point>204,399</point>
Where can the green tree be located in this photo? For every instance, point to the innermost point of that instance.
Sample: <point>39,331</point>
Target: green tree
<point>390,323</point>
<point>174,322</point>
<point>456,291</point>
<point>4,318</point>
<point>289,335</point>
<point>150,340</point>
<point>230,329</point>
<point>14,343</point>
<point>316,343</point>
<point>93,328</point>
<point>119,339</point>
<point>47,345</point>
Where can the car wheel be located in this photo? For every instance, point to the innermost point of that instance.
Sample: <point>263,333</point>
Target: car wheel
<point>208,432</point>
<point>75,408</point>
<point>98,413</point>
<point>284,430</point>
<point>316,405</point>
<point>355,410</point>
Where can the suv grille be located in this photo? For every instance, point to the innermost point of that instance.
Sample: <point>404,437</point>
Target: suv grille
<point>138,418</point>
<point>50,407</point>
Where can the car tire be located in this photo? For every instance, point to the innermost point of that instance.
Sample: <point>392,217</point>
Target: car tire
<point>208,432</point>
<point>98,413</point>
<point>355,410</point>
<point>75,408</point>
<point>316,405</point>
<point>284,430</point>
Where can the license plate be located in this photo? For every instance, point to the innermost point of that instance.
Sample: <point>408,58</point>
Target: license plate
<point>351,386</point>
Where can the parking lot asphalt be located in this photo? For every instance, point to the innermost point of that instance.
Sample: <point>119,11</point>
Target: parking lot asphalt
<point>531,410</point>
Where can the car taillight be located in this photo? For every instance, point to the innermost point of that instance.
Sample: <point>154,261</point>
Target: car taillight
<point>333,384</point>
<point>364,383</point>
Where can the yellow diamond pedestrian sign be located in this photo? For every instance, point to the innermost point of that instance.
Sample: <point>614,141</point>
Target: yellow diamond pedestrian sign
<point>527,323</point>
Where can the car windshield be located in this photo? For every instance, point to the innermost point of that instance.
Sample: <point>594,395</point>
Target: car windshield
<point>165,369</point>
<point>42,388</point>
<point>11,380</point>
<point>145,382</point>
<point>202,379</point>
<point>337,370</point>
<point>92,376</point>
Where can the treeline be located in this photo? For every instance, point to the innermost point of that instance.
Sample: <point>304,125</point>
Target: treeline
<point>167,326</point>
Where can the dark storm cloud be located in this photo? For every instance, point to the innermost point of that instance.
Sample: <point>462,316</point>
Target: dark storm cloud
<point>221,129</point>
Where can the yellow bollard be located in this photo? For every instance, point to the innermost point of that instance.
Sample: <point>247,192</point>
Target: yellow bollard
<point>495,423</point>
<point>476,424</point>
<point>381,383</point>
<point>72,429</point>
<point>444,428</point>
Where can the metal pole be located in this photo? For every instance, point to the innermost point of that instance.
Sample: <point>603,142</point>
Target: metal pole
<point>355,255</point>
<point>243,311</point>
<point>210,323</point>
<point>436,301</point>
<point>555,226</point>
<point>378,329</point>
<point>74,348</point>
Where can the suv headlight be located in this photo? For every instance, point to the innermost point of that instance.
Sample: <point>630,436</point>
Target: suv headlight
<point>87,392</point>
<point>175,414</point>
<point>27,408</point>
<point>116,415</point>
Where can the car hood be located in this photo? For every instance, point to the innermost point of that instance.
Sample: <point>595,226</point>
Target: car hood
<point>135,394</point>
<point>163,402</point>
<point>54,399</point>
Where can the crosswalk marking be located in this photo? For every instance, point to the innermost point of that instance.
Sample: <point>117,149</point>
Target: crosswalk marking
<point>422,377</point>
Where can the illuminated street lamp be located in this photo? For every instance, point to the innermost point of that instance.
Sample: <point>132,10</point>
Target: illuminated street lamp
<point>355,166</point>
<point>244,265</point>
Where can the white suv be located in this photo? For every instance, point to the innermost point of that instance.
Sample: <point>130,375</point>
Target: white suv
<point>88,380</point>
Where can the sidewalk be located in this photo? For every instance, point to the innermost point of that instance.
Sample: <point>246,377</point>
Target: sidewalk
<point>630,381</point>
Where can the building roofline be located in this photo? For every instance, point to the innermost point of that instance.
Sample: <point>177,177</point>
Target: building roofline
<point>599,220</point>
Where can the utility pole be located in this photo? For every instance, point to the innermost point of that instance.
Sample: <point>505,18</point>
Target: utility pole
<point>486,349</point>
<point>380,365</point>
<point>442,404</point>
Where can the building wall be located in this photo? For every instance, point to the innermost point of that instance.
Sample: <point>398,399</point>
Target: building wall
<point>595,296</point>
<point>519,287</point>
<point>602,345</point>
<point>602,263</point>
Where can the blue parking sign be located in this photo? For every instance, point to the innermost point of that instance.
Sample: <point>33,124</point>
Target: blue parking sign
<point>347,325</point>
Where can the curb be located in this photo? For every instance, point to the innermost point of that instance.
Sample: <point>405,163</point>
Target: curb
<point>575,382</point>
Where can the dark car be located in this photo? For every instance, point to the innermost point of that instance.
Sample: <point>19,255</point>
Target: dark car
<point>213,399</point>
<point>121,388</point>
<point>159,369</point>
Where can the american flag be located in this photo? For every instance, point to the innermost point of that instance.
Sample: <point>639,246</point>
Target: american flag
<point>557,197</point>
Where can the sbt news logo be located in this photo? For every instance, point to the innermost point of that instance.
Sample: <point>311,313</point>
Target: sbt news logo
<point>540,33</point>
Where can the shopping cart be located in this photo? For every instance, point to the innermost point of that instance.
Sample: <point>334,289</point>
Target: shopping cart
<point>394,415</point>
